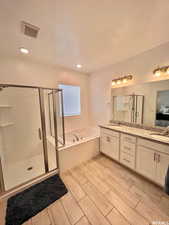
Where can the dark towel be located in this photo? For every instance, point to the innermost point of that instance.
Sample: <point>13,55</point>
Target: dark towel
<point>166,188</point>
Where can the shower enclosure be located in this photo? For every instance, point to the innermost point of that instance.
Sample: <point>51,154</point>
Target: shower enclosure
<point>29,116</point>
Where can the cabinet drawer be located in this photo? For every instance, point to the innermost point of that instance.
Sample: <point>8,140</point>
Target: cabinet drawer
<point>153,145</point>
<point>127,160</point>
<point>110,132</point>
<point>128,138</point>
<point>128,148</point>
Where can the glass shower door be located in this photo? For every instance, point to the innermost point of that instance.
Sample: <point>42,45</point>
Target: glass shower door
<point>21,139</point>
<point>54,121</point>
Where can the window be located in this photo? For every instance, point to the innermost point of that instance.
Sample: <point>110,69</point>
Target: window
<point>71,99</point>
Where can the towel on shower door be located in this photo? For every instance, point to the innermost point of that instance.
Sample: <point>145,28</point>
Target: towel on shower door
<point>167,182</point>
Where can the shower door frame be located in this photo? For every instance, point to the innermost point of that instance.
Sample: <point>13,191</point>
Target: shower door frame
<point>44,139</point>
<point>62,114</point>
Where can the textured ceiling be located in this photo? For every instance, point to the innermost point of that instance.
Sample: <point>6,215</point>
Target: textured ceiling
<point>91,32</point>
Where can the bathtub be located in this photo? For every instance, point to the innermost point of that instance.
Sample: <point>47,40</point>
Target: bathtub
<point>80,146</point>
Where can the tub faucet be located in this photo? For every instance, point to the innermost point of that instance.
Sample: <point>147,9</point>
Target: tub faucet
<point>77,138</point>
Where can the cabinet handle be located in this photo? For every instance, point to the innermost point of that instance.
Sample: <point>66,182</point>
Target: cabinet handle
<point>125,147</point>
<point>40,135</point>
<point>158,158</point>
<point>128,139</point>
<point>126,160</point>
<point>154,156</point>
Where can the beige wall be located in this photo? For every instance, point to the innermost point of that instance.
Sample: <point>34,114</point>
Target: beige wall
<point>140,66</point>
<point>25,72</point>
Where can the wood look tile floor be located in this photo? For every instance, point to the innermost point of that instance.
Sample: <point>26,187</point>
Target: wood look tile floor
<point>102,192</point>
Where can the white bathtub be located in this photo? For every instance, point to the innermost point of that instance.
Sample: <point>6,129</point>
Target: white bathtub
<point>81,145</point>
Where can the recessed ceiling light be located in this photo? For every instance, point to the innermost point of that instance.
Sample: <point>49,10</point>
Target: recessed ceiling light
<point>24,50</point>
<point>79,66</point>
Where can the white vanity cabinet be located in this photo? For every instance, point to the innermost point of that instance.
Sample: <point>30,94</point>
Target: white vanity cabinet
<point>145,163</point>
<point>145,156</point>
<point>162,166</point>
<point>152,160</point>
<point>109,143</point>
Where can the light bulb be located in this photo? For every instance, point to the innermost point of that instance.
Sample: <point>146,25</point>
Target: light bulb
<point>124,80</point>
<point>119,82</point>
<point>157,73</point>
<point>113,83</point>
<point>167,71</point>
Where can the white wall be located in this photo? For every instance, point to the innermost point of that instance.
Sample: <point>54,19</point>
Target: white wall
<point>140,66</point>
<point>24,72</point>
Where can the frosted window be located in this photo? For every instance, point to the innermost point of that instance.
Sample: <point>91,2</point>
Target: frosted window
<point>71,99</point>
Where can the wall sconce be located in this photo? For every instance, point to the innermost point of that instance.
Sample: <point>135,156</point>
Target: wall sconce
<point>161,70</point>
<point>121,80</point>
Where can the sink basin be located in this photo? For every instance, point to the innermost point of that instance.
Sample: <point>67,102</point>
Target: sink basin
<point>113,125</point>
<point>159,135</point>
<point>155,134</point>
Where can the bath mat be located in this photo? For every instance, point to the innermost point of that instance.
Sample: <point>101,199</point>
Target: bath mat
<point>31,201</point>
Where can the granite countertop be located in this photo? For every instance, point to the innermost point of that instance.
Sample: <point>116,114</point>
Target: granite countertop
<point>138,132</point>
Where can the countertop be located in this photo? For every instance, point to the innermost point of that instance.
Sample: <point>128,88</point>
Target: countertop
<point>138,132</point>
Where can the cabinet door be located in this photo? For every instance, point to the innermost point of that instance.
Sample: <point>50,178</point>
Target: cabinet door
<point>146,164</point>
<point>110,146</point>
<point>162,166</point>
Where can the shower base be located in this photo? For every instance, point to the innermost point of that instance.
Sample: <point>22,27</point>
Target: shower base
<point>23,171</point>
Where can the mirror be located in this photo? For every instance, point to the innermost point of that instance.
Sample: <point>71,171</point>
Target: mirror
<point>128,108</point>
<point>162,108</point>
<point>152,108</point>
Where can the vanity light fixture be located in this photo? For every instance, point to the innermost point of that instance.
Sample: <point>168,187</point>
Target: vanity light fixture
<point>123,80</point>
<point>161,70</point>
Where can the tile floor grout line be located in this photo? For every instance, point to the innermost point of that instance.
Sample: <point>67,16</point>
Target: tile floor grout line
<point>96,205</point>
<point>66,212</point>
<point>86,195</point>
<point>51,216</point>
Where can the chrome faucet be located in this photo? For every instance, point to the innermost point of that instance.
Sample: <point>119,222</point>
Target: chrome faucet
<point>165,132</point>
<point>76,136</point>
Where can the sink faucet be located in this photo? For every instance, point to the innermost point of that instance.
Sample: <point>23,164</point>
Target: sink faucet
<point>76,136</point>
<point>165,132</point>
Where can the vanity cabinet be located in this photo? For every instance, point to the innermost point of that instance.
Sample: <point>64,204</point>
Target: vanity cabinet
<point>162,166</point>
<point>109,143</point>
<point>152,160</point>
<point>146,157</point>
<point>146,164</point>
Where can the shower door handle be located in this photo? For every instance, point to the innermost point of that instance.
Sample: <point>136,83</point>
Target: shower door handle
<point>40,134</point>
